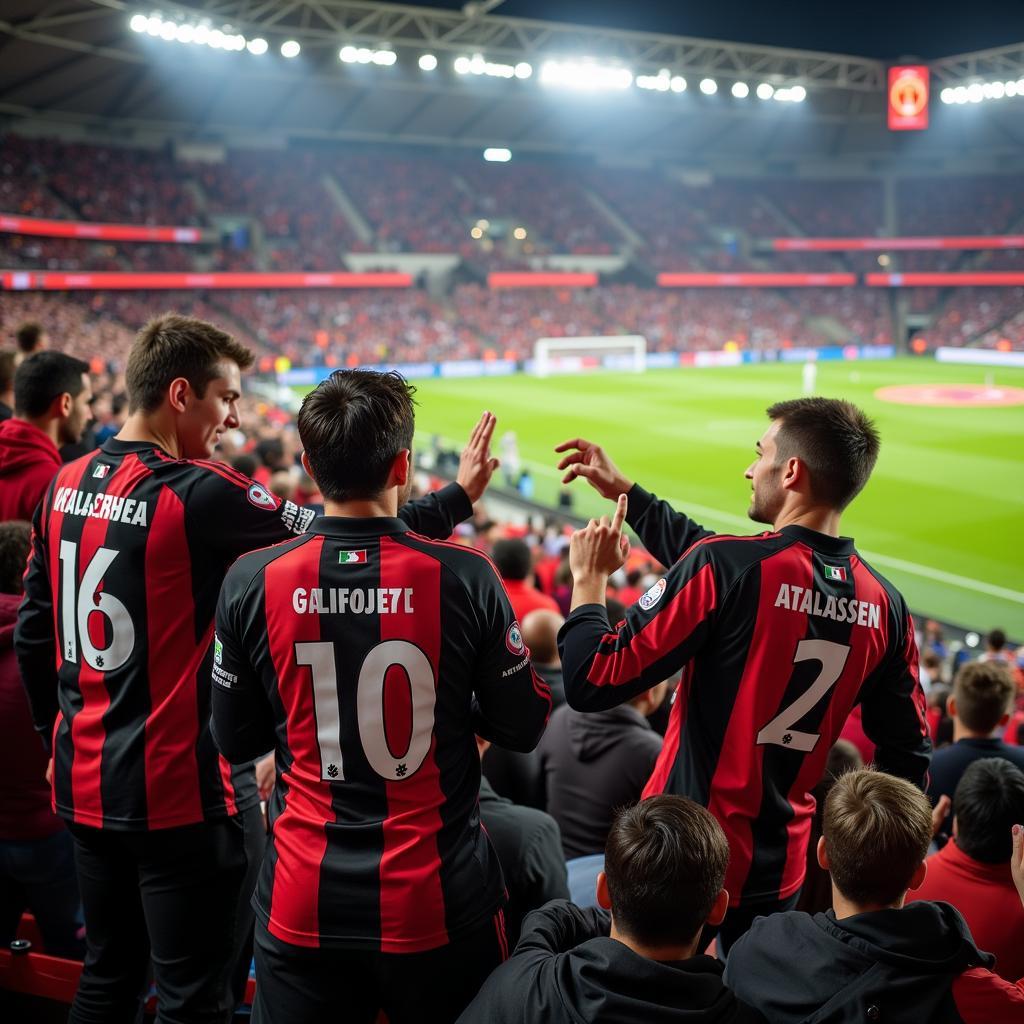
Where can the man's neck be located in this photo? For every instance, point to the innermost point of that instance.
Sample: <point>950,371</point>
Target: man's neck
<point>666,953</point>
<point>811,517</point>
<point>961,732</point>
<point>150,430</point>
<point>7,399</point>
<point>385,506</point>
<point>50,427</point>
<point>843,907</point>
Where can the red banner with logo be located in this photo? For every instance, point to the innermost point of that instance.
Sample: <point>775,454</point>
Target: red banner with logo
<point>35,280</point>
<point>755,280</point>
<point>100,232</point>
<point>992,279</point>
<point>541,279</point>
<point>886,244</point>
<point>908,98</point>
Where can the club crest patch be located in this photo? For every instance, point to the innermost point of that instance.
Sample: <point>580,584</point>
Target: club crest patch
<point>653,596</point>
<point>259,496</point>
<point>514,639</point>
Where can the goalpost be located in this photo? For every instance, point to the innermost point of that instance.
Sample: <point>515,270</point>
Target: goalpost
<point>622,352</point>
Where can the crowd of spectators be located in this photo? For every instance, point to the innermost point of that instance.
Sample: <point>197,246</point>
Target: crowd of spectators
<point>972,315</point>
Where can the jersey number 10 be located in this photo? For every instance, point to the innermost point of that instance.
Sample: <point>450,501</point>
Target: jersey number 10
<point>319,657</point>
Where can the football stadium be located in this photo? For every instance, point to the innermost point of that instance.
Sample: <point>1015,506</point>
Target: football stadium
<point>511,511</point>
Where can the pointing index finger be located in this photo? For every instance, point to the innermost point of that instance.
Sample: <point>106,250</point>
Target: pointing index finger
<point>620,513</point>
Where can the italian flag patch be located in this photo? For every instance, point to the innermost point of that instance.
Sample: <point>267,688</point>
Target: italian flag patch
<point>351,557</point>
<point>835,572</point>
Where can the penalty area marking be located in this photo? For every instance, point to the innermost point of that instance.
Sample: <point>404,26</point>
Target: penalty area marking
<point>963,395</point>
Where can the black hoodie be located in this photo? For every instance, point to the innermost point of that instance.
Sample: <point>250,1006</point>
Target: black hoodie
<point>567,969</point>
<point>890,966</point>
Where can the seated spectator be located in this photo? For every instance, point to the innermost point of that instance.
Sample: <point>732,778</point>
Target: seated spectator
<point>871,958</point>
<point>664,869</point>
<point>979,706</point>
<point>816,892</point>
<point>595,763</point>
<point>973,870</point>
<point>37,861</point>
<point>51,407</point>
<point>514,562</point>
<point>31,338</point>
<point>529,849</point>
<point>540,634</point>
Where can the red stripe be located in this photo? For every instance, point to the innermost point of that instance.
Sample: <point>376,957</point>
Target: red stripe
<point>499,927</point>
<point>229,789</point>
<point>173,796</point>
<point>412,915</point>
<point>300,837</point>
<point>670,747</point>
<point>43,280</point>
<point>737,786</point>
<point>88,733</point>
<point>229,472</point>
<point>670,627</point>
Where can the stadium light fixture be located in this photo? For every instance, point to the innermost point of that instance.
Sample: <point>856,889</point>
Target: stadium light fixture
<point>798,93</point>
<point>678,83</point>
<point>708,86</point>
<point>171,31</point>
<point>765,91</point>
<point>661,82</point>
<point>740,90</point>
<point>153,23</point>
<point>476,232</point>
<point>586,75</point>
<point>523,70</point>
<point>479,65</point>
<point>427,62</point>
<point>519,234</point>
<point>946,95</point>
<point>138,23</point>
<point>497,155</point>
<point>290,48</point>
<point>257,46</point>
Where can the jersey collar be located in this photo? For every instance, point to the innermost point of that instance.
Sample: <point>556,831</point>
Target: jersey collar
<point>349,526</point>
<point>820,541</point>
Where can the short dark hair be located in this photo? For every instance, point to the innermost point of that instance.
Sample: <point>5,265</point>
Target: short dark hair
<point>43,377</point>
<point>835,440</point>
<point>172,346</point>
<point>352,427</point>
<point>983,691</point>
<point>988,802</point>
<point>27,335</point>
<point>8,366</point>
<point>665,862</point>
<point>512,557</point>
<point>877,830</point>
<point>15,542</point>
<point>996,639</point>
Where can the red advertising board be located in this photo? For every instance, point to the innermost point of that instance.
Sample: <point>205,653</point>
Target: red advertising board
<point>908,98</point>
<point>541,279</point>
<point>754,280</point>
<point>920,243</point>
<point>104,232</point>
<point>45,280</point>
<point>954,279</point>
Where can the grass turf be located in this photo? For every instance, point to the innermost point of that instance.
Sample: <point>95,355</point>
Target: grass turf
<point>941,516</point>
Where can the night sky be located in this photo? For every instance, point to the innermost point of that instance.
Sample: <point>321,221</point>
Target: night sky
<point>884,30</point>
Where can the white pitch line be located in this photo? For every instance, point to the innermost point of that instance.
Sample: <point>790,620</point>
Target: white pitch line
<point>745,524</point>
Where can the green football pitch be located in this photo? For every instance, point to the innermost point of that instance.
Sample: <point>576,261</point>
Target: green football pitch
<point>942,516</point>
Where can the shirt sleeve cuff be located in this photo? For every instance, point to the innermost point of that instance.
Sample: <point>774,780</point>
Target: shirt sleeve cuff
<point>456,501</point>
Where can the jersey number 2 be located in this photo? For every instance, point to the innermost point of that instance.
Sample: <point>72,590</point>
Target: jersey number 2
<point>319,657</point>
<point>779,730</point>
<point>79,604</point>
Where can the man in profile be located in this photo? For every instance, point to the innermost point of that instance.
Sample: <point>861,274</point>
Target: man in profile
<point>779,635</point>
<point>368,657</point>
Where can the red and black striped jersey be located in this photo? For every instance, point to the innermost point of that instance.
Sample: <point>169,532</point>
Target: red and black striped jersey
<point>779,636</point>
<point>129,550</point>
<point>369,656</point>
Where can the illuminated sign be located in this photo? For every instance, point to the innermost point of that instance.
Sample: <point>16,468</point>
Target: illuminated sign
<point>908,98</point>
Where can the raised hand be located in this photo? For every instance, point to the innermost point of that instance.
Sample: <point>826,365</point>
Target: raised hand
<point>590,461</point>
<point>600,548</point>
<point>476,467</point>
<point>1017,860</point>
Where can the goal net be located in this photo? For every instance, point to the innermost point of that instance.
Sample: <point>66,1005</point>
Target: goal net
<point>623,352</point>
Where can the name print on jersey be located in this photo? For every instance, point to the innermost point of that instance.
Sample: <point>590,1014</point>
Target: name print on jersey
<point>357,600</point>
<point>73,502</point>
<point>825,606</point>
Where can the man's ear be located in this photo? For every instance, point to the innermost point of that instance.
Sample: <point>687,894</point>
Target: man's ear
<point>951,706</point>
<point>604,898</point>
<point>177,393</point>
<point>306,466</point>
<point>63,404</point>
<point>917,878</point>
<point>718,910</point>
<point>793,473</point>
<point>822,854</point>
<point>401,468</point>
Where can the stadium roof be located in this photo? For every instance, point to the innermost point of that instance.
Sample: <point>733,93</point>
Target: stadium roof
<point>79,61</point>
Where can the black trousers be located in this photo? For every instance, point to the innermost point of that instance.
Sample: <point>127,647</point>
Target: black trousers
<point>255,829</point>
<point>738,921</point>
<point>312,986</point>
<point>171,896</point>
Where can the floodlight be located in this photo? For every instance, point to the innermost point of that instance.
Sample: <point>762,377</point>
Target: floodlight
<point>740,90</point>
<point>765,91</point>
<point>347,55</point>
<point>497,155</point>
<point>257,46</point>
<point>519,234</point>
<point>946,95</point>
<point>215,39</point>
<point>168,30</point>
<point>428,62</point>
<point>975,92</point>
<point>523,69</point>
<point>385,58</point>
<point>476,232</point>
<point>461,65</point>
<point>708,86</point>
<point>153,24</point>
<point>138,23</point>
<point>290,48</point>
<point>798,94</point>
<point>1011,88</point>
<point>185,33</point>
<point>960,94</point>
<point>678,83</point>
